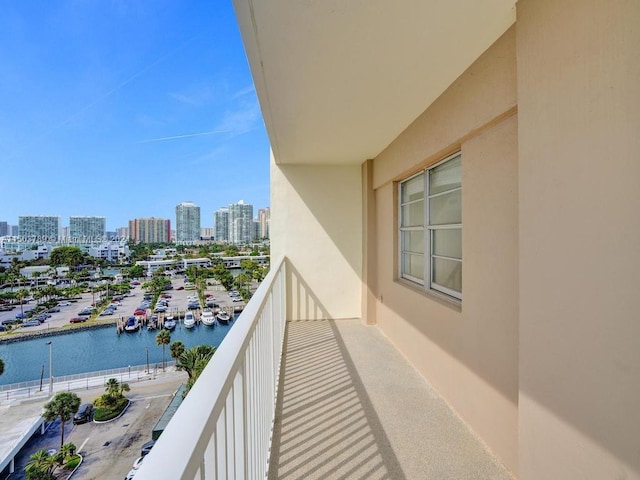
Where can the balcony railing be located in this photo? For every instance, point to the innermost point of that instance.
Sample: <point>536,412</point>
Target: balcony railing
<point>223,428</point>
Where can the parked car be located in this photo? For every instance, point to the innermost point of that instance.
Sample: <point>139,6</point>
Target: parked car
<point>54,310</point>
<point>137,463</point>
<point>139,313</point>
<point>21,316</point>
<point>78,320</point>
<point>8,321</point>
<point>64,304</point>
<point>31,323</point>
<point>3,328</point>
<point>180,288</point>
<point>83,415</point>
<point>146,448</point>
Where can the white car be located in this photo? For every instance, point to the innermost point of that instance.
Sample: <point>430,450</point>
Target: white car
<point>64,304</point>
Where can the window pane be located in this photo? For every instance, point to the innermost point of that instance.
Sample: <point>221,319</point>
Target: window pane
<point>413,189</point>
<point>447,273</point>
<point>413,215</point>
<point>448,242</point>
<point>446,209</point>
<point>413,265</point>
<point>445,177</point>
<point>413,241</point>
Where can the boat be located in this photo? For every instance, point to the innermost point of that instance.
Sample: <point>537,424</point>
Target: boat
<point>132,325</point>
<point>189,320</point>
<point>223,317</point>
<point>169,323</point>
<point>207,317</point>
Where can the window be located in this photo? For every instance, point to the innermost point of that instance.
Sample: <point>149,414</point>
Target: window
<point>431,227</point>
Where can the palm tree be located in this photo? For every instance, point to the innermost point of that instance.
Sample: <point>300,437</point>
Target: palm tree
<point>21,295</point>
<point>193,361</point>
<point>112,386</point>
<point>163,338</point>
<point>1,366</point>
<point>41,466</point>
<point>176,349</point>
<point>63,405</point>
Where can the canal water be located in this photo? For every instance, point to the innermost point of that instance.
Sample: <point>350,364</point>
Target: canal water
<point>96,349</point>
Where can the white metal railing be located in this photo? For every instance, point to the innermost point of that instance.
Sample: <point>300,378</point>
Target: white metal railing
<point>223,428</point>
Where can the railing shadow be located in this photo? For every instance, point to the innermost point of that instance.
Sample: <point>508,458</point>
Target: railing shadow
<point>326,426</point>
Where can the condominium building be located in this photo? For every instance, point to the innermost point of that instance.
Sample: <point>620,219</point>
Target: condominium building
<point>455,260</point>
<point>221,224</point>
<point>241,222</point>
<point>149,230</point>
<point>187,222</point>
<point>122,233</point>
<point>4,229</point>
<point>39,228</point>
<point>264,218</point>
<point>88,228</point>
<point>206,233</point>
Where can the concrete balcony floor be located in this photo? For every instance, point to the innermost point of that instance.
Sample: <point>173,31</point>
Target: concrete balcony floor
<point>351,407</point>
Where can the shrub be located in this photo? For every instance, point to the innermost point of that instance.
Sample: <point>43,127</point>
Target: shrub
<point>104,413</point>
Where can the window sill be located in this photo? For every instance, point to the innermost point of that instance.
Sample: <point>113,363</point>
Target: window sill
<point>441,298</point>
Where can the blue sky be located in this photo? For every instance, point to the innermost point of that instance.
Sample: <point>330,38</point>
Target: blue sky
<point>91,93</point>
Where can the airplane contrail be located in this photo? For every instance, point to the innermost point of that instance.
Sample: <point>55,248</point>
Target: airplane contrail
<point>201,134</point>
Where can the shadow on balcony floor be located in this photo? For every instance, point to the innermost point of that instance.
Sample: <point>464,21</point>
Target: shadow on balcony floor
<point>351,407</point>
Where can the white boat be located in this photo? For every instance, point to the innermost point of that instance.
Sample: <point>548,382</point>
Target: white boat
<point>207,317</point>
<point>132,325</point>
<point>189,320</point>
<point>223,317</point>
<point>169,323</point>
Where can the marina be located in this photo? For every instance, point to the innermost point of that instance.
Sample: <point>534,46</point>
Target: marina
<point>96,349</point>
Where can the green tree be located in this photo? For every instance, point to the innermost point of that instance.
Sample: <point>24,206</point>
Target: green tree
<point>175,349</point>
<point>21,295</point>
<point>163,338</point>
<point>193,361</point>
<point>62,406</point>
<point>66,256</point>
<point>1,366</point>
<point>41,466</point>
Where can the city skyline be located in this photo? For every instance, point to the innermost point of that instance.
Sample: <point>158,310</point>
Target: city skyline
<point>123,111</point>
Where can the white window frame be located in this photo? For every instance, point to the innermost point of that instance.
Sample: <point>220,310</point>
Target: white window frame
<point>428,233</point>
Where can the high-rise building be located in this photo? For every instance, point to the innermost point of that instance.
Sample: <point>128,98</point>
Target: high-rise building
<point>206,233</point>
<point>221,225</point>
<point>39,227</point>
<point>187,222</point>
<point>240,222</point>
<point>149,230</point>
<point>87,228</point>
<point>4,229</point>
<point>14,230</point>
<point>122,233</point>
<point>264,217</point>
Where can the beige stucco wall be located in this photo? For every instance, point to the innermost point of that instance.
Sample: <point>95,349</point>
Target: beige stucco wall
<point>320,231</point>
<point>469,353</point>
<point>579,151</point>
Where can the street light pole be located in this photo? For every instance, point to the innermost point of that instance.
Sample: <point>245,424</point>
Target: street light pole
<point>50,368</point>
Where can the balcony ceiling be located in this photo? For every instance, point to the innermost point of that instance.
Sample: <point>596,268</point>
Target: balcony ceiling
<point>338,80</point>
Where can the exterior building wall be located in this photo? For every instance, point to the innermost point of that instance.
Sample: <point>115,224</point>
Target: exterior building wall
<point>221,221</point>
<point>40,227</point>
<point>579,151</point>
<point>187,222</point>
<point>320,231</point>
<point>467,350</point>
<point>88,227</point>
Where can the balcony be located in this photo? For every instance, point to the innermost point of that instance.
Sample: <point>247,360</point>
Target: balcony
<point>342,404</point>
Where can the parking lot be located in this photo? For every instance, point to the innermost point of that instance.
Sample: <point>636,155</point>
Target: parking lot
<point>108,449</point>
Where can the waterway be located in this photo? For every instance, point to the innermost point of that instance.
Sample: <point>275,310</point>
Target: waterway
<point>96,349</point>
